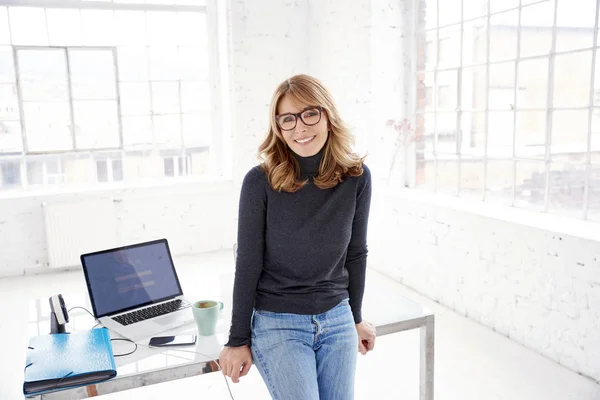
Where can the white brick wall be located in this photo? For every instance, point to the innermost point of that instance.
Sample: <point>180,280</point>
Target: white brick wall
<point>536,286</point>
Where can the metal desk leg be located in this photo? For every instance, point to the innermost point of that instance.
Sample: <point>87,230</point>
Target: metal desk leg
<point>427,359</point>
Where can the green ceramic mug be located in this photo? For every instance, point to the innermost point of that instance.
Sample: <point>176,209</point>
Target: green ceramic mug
<point>206,314</point>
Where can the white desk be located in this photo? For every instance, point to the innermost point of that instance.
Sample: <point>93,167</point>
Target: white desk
<point>382,306</point>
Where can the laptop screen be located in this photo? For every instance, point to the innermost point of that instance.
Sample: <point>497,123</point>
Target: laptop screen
<point>129,277</point>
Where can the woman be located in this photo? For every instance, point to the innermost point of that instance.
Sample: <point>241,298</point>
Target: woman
<point>302,249</point>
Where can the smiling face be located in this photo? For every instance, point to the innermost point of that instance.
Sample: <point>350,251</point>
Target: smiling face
<point>303,126</point>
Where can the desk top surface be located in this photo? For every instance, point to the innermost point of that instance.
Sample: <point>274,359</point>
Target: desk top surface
<point>383,305</point>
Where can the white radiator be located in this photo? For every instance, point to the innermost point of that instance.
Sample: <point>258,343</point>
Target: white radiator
<point>77,227</point>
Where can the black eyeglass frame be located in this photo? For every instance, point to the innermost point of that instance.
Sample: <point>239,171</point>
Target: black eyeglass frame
<point>298,115</point>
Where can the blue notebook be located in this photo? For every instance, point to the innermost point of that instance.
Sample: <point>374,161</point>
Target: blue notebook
<point>66,360</point>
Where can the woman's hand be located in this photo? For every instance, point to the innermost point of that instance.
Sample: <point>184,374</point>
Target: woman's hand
<point>366,337</point>
<point>235,361</point>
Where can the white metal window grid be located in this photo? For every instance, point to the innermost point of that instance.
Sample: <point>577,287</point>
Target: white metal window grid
<point>549,109</point>
<point>217,57</point>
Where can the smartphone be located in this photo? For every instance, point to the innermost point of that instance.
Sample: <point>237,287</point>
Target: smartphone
<point>179,340</point>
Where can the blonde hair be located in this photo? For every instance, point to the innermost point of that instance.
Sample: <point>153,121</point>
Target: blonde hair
<point>338,161</point>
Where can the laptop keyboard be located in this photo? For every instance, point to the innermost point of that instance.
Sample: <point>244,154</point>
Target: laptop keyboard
<point>151,312</point>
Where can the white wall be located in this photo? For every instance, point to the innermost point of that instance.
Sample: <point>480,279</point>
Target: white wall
<point>535,285</point>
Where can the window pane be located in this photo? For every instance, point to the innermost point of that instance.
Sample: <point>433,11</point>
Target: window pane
<point>10,137</point>
<point>428,56</point>
<point>501,5</point>
<point>193,63</point>
<point>195,96</point>
<point>137,131</point>
<point>567,183</point>
<point>579,15</point>
<point>9,103</point>
<point>425,174</point>
<point>133,64</point>
<point>471,177</point>
<point>594,193</point>
<point>162,28</point>
<point>499,181</point>
<point>569,131</point>
<point>92,74</point>
<point>475,41</point>
<point>98,27</point>
<point>536,35</point>
<point>447,86</point>
<point>167,130</point>
<point>48,126</point>
<point>28,26</point>
<point>135,98</point>
<point>10,174</point>
<point>500,136</point>
<point>4,27</point>
<point>102,171</point>
<point>35,172</point>
<point>191,29</point>
<point>169,166</point>
<point>163,63</point>
<point>446,130</point>
<point>449,47</point>
<point>7,65</point>
<point>474,8</point>
<point>474,89</point>
<point>430,13</point>
<point>533,83</point>
<point>503,39</point>
<point>530,185</point>
<point>64,27</point>
<point>131,27</point>
<point>197,129</point>
<point>447,174</point>
<point>449,12</point>
<point>43,75</point>
<point>595,136</point>
<point>531,134</point>
<point>96,124</point>
<point>572,89</point>
<point>473,133</point>
<point>117,169</point>
<point>502,77</point>
<point>165,97</point>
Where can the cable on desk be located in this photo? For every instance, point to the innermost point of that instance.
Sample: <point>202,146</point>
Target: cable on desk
<point>84,309</point>
<point>125,340</point>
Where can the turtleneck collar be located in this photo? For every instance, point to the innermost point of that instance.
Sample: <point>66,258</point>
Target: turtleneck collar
<point>309,166</point>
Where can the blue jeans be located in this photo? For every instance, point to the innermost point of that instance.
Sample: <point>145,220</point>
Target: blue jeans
<point>306,357</point>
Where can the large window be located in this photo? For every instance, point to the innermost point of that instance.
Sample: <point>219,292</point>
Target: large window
<point>508,103</point>
<point>99,92</point>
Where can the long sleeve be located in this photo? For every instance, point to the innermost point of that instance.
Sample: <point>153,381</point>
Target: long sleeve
<point>249,264</point>
<point>356,259</point>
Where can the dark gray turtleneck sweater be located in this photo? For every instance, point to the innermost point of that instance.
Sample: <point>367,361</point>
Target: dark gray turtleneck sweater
<point>299,252</point>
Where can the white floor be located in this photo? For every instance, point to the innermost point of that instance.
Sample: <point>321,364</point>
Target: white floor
<point>472,362</point>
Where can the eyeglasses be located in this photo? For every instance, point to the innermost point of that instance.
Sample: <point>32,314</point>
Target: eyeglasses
<point>310,116</point>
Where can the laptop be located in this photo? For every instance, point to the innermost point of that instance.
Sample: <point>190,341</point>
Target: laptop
<point>134,290</point>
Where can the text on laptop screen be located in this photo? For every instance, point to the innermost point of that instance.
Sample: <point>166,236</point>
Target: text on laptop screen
<point>126,278</point>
